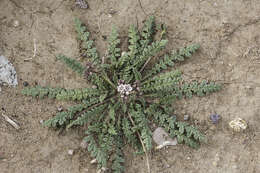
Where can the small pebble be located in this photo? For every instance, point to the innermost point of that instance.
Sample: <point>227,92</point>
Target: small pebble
<point>60,108</point>
<point>16,23</point>
<point>71,152</point>
<point>186,117</point>
<point>123,53</point>
<point>93,161</point>
<point>112,11</point>
<point>167,165</point>
<point>25,83</point>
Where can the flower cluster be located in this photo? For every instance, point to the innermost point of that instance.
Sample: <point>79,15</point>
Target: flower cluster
<point>124,89</point>
<point>214,118</point>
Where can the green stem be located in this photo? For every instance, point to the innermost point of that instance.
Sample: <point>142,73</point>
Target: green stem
<point>104,76</point>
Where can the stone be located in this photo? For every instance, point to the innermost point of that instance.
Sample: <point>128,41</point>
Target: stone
<point>25,83</point>
<point>186,117</point>
<point>71,152</point>
<point>94,161</point>
<point>162,139</point>
<point>166,165</point>
<point>60,108</point>
<point>16,23</point>
<point>7,73</point>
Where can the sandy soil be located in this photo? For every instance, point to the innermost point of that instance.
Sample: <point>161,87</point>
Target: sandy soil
<point>228,32</point>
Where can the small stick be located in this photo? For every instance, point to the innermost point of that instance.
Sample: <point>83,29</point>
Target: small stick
<point>99,23</point>
<point>28,59</point>
<point>34,50</point>
<point>145,64</point>
<point>35,47</point>
<point>147,159</point>
<point>16,126</point>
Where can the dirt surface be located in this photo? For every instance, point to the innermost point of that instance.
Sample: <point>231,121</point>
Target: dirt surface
<point>228,32</point>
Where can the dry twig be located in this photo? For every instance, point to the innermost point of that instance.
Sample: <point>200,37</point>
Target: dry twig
<point>14,124</point>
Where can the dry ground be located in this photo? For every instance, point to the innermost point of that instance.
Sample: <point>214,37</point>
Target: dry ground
<point>228,32</point>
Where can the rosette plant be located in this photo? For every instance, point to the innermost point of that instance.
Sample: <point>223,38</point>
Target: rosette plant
<point>130,90</point>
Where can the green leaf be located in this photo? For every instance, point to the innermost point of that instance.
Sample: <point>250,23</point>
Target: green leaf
<point>102,97</point>
<point>72,63</point>
<point>87,45</point>
<point>113,50</point>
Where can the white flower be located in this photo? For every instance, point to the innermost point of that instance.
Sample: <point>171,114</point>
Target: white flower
<point>121,88</point>
<point>124,89</point>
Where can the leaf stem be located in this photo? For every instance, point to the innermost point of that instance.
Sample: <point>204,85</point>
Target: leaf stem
<point>104,76</point>
<point>145,64</point>
<point>145,151</point>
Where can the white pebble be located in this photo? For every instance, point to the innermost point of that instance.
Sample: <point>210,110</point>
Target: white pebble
<point>123,53</point>
<point>16,23</point>
<point>93,161</point>
<point>162,139</point>
<point>186,117</point>
<point>71,152</point>
<point>60,108</point>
